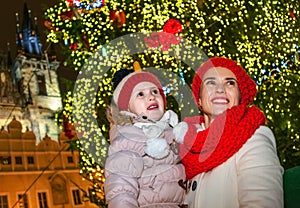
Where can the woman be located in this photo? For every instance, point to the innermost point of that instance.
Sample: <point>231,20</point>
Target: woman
<point>229,154</point>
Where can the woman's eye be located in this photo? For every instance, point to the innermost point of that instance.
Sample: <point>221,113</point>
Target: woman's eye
<point>232,83</point>
<point>210,82</point>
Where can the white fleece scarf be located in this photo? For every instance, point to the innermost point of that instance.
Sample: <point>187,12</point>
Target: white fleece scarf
<point>156,146</point>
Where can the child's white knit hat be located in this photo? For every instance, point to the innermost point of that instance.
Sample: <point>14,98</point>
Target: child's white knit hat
<point>123,90</point>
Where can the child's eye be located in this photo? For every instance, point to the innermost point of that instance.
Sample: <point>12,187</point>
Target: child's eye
<point>155,91</point>
<point>140,94</point>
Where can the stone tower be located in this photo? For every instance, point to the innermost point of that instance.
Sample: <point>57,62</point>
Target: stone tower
<point>29,87</point>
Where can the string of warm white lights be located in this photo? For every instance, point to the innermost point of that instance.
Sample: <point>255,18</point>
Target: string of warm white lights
<point>261,35</point>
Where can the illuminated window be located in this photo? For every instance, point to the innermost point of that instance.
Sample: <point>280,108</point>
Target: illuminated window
<point>23,201</point>
<point>70,159</point>
<point>42,85</point>
<point>18,160</point>
<point>30,160</point>
<point>3,201</point>
<point>76,197</point>
<point>42,197</point>
<point>5,161</point>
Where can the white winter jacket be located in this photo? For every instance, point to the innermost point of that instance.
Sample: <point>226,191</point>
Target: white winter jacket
<point>251,178</point>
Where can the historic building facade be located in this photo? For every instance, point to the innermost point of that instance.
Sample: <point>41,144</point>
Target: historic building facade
<point>42,175</point>
<point>36,168</point>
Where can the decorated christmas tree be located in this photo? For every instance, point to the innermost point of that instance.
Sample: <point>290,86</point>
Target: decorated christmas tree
<point>173,38</point>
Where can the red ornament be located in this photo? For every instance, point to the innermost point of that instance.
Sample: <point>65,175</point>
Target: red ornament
<point>117,18</point>
<point>73,46</point>
<point>48,24</point>
<point>292,14</point>
<point>85,40</point>
<point>69,3</point>
<point>67,15</point>
<point>172,26</point>
<point>162,39</point>
<point>67,128</point>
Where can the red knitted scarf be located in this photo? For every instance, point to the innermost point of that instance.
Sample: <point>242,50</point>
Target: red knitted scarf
<point>209,148</point>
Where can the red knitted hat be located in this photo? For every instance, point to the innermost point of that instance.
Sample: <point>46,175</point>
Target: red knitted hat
<point>246,85</point>
<point>122,93</point>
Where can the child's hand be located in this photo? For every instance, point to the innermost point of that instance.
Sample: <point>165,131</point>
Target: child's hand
<point>179,131</point>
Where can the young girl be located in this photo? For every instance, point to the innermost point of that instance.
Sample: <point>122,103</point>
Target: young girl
<point>142,168</point>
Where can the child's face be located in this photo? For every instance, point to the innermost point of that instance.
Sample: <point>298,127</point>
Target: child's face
<point>146,100</point>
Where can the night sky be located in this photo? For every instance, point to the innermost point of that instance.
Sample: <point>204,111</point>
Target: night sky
<point>8,20</point>
<point>8,27</point>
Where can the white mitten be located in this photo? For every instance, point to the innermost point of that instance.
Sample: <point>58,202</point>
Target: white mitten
<point>179,131</point>
<point>157,148</point>
<point>171,117</point>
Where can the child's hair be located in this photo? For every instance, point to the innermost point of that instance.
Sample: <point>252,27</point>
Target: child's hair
<point>119,75</point>
<point>115,117</point>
